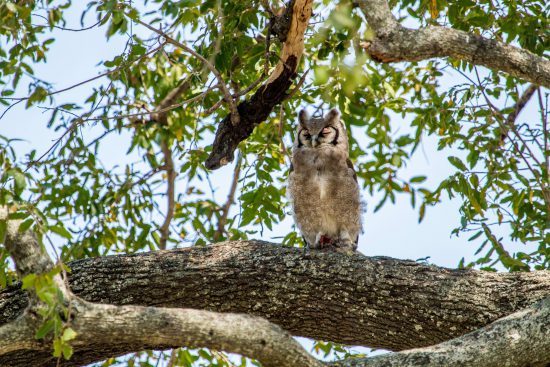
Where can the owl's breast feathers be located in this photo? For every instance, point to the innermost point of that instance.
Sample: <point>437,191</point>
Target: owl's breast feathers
<point>309,162</point>
<point>325,197</point>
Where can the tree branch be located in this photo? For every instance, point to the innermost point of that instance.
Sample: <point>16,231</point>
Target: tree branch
<point>170,193</point>
<point>546,153</point>
<point>104,331</point>
<point>508,261</point>
<point>108,72</point>
<point>161,116</point>
<point>230,199</point>
<point>26,252</point>
<point>272,92</point>
<point>521,339</point>
<point>227,95</point>
<point>520,104</point>
<point>393,43</point>
<point>377,302</point>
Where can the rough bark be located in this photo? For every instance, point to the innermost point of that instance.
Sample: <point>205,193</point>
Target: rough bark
<point>256,110</point>
<point>105,331</point>
<point>393,43</point>
<point>521,339</point>
<point>23,247</point>
<point>377,302</point>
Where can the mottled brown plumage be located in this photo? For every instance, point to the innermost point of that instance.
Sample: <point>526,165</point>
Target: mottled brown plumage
<point>323,186</point>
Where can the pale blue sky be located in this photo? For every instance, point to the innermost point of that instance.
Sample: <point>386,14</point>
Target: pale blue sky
<point>392,231</point>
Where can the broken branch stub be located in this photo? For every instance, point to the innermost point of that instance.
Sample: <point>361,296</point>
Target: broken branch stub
<point>256,110</point>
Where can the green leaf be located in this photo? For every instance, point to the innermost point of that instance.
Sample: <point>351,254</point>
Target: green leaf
<point>57,347</point>
<point>68,334</point>
<point>389,89</point>
<point>45,329</point>
<point>19,181</point>
<point>11,7</point>
<point>421,212</point>
<point>28,281</point>
<point>457,163</point>
<point>62,231</point>
<point>418,179</point>
<point>26,224</point>
<point>67,351</point>
<point>3,230</point>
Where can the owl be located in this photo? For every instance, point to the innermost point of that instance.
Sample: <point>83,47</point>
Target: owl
<point>322,185</point>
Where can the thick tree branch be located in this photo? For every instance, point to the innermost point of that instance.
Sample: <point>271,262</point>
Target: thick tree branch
<point>26,252</point>
<point>394,42</point>
<point>104,331</point>
<point>377,302</point>
<point>272,92</point>
<point>521,339</point>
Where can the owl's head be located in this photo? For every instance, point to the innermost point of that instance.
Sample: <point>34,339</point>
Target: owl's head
<point>320,132</point>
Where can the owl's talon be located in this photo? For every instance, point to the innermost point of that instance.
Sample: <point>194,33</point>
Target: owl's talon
<point>346,246</point>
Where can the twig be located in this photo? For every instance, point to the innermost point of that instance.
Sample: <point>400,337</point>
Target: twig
<point>227,95</point>
<point>160,115</point>
<point>218,43</point>
<point>504,256</point>
<point>230,198</point>
<point>67,29</point>
<point>250,87</point>
<point>162,110</point>
<point>546,153</point>
<point>69,130</point>
<point>93,78</point>
<point>9,107</point>
<point>172,360</point>
<point>174,94</point>
<point>500,118</point>
<point>214,107</point>
<point>170,191</point>
<point>299,85</point>
<point>223,357</point>
<point>522,101</point>
<point>217,105</point>
<point>280,131</point>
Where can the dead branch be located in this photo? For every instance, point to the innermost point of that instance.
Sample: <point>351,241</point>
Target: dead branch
<point>256,110</point>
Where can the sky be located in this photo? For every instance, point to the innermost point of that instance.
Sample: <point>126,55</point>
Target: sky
<point>393,231</point>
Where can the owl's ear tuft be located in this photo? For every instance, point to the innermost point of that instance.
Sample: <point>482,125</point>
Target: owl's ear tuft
<point>333,116</point>
<point>303,117</point>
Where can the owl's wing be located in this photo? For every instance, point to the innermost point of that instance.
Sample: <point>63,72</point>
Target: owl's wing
<point>350,166</point>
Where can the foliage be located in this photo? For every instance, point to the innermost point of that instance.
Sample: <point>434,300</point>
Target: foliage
<point>501,170</point>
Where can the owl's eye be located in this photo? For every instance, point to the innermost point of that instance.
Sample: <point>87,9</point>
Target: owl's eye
<point>307,135</point>
<point>326,130</point>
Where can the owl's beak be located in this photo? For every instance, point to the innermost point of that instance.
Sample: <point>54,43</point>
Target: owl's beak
<point>314,140</point>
